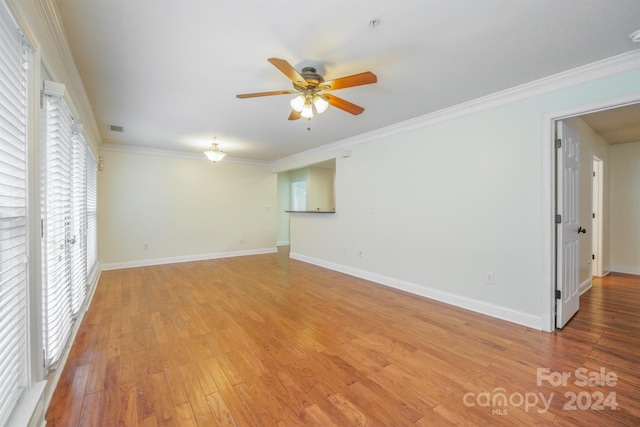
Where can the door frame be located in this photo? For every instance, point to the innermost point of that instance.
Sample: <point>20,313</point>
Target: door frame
<point>597,204</point>
<point>549,196</point>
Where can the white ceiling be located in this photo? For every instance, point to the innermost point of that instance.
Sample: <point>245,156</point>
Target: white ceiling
<point>618,125</point>
<point>168,71</point>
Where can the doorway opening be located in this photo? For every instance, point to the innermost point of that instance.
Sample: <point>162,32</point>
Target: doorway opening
<point>549,199</point>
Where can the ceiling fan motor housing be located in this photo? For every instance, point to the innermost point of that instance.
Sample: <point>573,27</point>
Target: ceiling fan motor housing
<point>311,76</point>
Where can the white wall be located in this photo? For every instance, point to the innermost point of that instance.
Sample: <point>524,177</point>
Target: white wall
<point>182,207</point>
<point>625,208</point>
<point>320,189</point>
<point>591,144</point>
<point>433,208</point>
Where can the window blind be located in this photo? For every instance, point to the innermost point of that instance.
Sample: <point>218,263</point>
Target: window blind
<point>14,54</point>
<point>57,206</point>
<point>69,212</point>
<point>78,225</point>
<point>92,212</point>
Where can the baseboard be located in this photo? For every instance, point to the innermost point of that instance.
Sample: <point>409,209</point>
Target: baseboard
<point>471,304</point>
<point>283,243</point>
<point>625,269</point>
<point>188,258</point>
<point>585,286</point>
<point>606,270</point>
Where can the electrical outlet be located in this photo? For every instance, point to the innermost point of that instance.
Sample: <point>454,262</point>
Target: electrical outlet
<point>241,239</point>
<point>360,253</point>
<point>488,277</point>
<point>145,245</point>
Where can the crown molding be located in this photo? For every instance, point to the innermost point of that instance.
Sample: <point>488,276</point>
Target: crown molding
<point>53,25</point>
<point>607,67</point>
<point>160,152</point>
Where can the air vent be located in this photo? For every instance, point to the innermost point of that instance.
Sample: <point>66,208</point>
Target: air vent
<point>114,128</point>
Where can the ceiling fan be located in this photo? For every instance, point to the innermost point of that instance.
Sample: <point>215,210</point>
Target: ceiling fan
<point>311,87</point>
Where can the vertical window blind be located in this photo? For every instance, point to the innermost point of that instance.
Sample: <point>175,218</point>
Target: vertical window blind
<point>14,54</point>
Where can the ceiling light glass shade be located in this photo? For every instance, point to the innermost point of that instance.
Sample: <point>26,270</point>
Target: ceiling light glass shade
<point>214,154</point>
<point>307,111</point>
<point>297,103</point>
<point>321,103</point>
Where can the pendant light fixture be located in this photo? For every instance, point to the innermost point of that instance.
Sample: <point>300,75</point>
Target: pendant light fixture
<point>214,154</point>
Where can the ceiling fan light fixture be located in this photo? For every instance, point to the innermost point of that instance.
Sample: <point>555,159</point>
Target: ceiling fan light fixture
<point>308,85</point>
<point>307,110</point>
<point>298,102</point>
<point>321,102</point>
<point>214,154</point>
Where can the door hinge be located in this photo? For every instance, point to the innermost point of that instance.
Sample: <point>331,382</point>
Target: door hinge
<point>594,173</point>
<point>558,219</point>
<point>41,98</point>
<point>593,215</point>
<point>42,228</point>
<point>558,294</point>
<point>593,256</point>
<point>558,143</point>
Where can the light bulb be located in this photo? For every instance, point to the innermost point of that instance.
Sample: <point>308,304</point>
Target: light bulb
<point>321,103</point>
<point>297,103</point>
<point>307,111</point>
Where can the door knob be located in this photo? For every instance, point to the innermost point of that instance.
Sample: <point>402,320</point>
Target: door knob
<point>582,230</point>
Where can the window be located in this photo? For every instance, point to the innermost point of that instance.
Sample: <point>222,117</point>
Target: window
<point>78,223</point>
<point>92,212</point>
<point>57,308</point>
<point>69,212</point>
<point>299,196</point>
<point>14,54</point>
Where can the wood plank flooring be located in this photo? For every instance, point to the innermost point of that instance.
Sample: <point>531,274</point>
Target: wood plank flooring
<point>269,341</point>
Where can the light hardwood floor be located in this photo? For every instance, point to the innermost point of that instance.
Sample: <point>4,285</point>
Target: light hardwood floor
<point>264,340</point>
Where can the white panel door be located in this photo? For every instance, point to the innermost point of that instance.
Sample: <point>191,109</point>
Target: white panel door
<point>567,229</point>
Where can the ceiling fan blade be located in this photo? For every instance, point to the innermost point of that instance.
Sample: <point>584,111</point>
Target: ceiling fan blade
<point>294,115</point>
<point>275,92</point>
<point>355,80</point>
<point>288,71</point>
<point>344,105</point>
